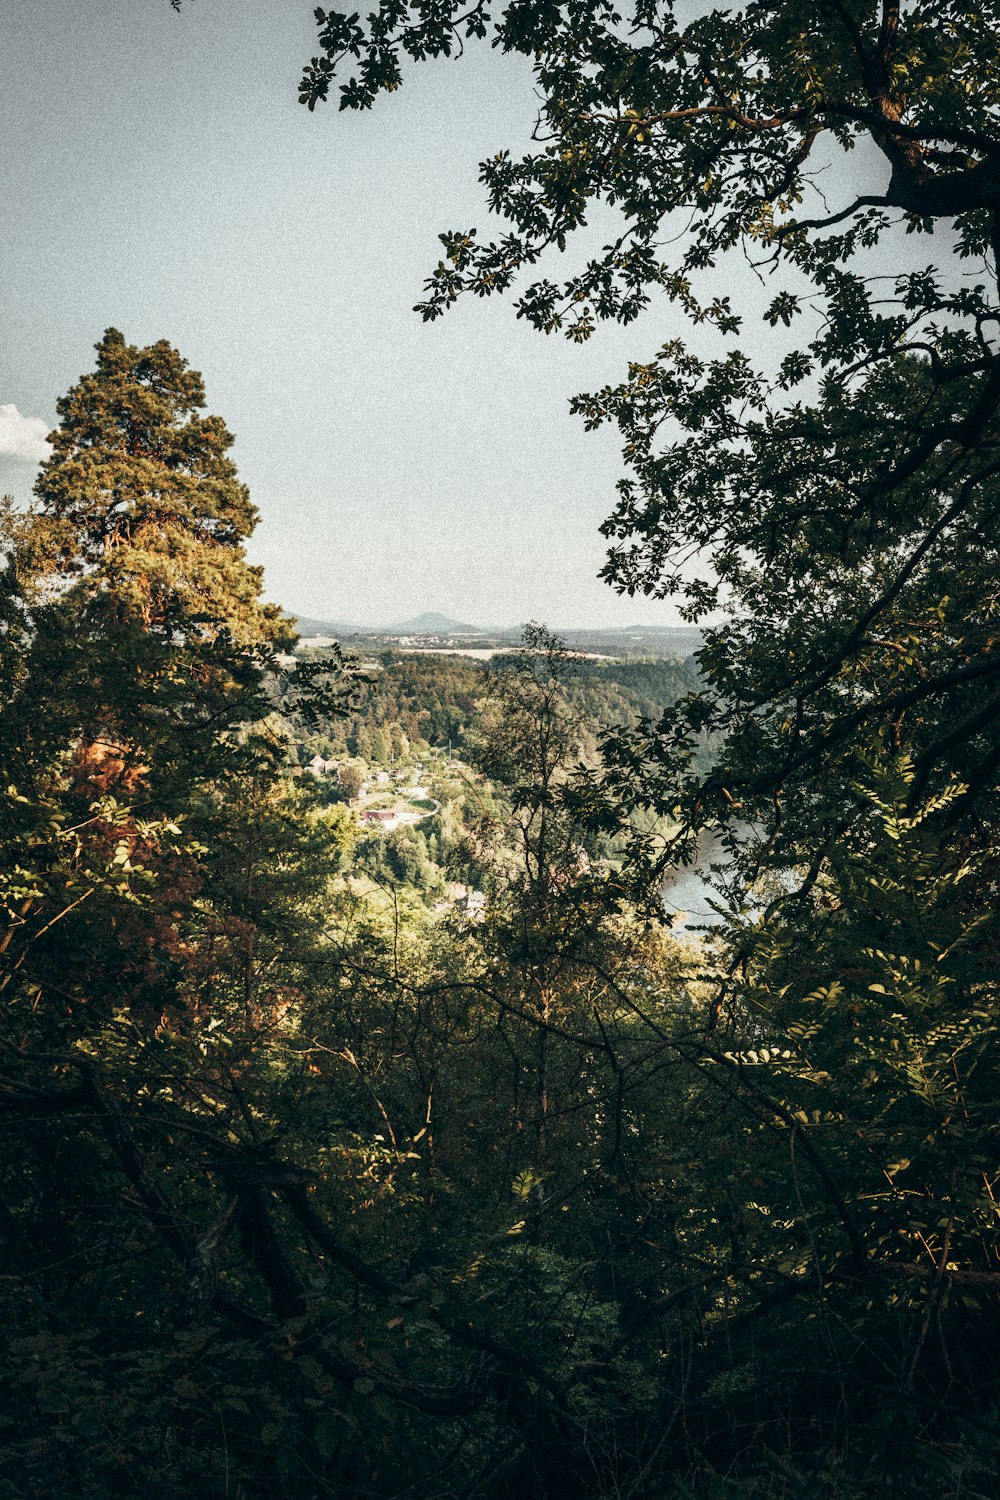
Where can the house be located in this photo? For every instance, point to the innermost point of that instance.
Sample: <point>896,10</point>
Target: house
<point>320,767</point>
<point>383,818</point>
<point>471,906</point>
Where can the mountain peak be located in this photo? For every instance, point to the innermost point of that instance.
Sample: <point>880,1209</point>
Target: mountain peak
<point>432,623</point>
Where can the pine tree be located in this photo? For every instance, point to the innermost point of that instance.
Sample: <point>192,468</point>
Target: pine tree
<point>148,633</point>
<point>142,503</point>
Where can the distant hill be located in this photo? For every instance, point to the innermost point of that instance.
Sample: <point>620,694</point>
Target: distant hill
<point>432,624</point>
<point>615,640</point>
<point>685,638</point>
<point>336,628</point>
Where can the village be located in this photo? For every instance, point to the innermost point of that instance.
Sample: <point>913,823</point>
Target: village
<point>397,798</point>
<point>377,800</point>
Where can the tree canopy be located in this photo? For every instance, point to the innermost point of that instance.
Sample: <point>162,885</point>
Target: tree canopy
<point>322,1177</point>
<point>832,489</point>
<point>141,502</point>
<point>817,481</point>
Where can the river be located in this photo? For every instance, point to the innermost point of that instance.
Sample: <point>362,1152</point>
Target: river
<point>687,890</point>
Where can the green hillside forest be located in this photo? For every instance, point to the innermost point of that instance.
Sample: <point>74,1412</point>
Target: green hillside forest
<point>369,1128</point>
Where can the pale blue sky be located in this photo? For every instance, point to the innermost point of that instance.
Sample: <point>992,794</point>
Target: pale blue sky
<point>159,175</point>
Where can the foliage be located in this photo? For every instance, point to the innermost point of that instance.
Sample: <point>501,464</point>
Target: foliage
<point>311,1193</point>
<point>415,702</point>
<point>843,494</point>
<point>835,478</point>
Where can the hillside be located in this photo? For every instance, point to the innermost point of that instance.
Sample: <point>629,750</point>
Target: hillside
<point>624,641</point>
<point>420,700</point>
<point>431,623</point>
<point>307,627</point>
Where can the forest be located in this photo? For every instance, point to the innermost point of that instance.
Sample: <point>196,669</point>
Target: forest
<point>433,1160</point>
<point>416,702</point>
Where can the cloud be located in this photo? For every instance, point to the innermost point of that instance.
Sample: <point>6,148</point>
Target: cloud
<point>22,437</point>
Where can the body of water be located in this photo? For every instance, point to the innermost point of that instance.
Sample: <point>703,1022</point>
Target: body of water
<point>687,891</point>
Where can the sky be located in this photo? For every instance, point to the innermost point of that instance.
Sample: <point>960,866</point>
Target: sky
<point>159,176</point>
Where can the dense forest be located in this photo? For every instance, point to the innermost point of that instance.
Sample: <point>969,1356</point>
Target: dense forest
<point>407,702</point>
<point>367,1129</point>
<point>433,718</point>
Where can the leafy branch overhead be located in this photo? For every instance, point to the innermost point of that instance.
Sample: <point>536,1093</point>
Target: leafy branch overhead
<point>718,127</point>
<point>828,477</point>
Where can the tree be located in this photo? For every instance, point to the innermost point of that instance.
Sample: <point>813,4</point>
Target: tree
<point>350,779</point>
<point>148,635</point>
<point>141,502</point>
<point>838,486</point>
<point>136,652</point>
<point>528,743</point>
<point>843,495</point>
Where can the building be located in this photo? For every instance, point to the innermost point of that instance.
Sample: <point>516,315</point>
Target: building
<point>471,906</point>
<point>383,818</point>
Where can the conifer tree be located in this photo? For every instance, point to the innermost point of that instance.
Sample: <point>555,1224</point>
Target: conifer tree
<point>142,502</point>
<point>148,632</point>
